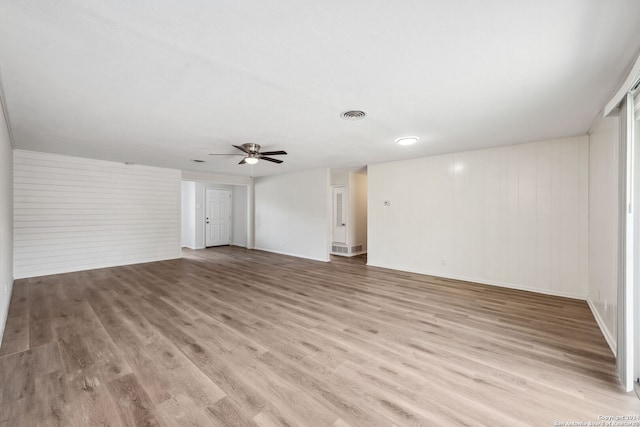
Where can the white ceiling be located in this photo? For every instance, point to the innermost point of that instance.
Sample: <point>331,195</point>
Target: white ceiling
<point>162,82</point>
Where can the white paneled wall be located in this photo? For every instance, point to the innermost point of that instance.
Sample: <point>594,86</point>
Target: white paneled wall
<point>603,225</point>
<point>514,216</point>
<point>73,214</point>
<point>292,214</point>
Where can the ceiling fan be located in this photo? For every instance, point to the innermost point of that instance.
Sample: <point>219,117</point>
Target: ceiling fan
<point>252,154</point>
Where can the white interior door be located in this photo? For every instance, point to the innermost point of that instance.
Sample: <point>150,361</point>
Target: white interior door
<point>217,217</point>
<point>340,214</point>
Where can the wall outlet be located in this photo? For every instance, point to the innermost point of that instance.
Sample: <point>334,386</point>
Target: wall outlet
<point>6,288</point>
<point>444,263</point>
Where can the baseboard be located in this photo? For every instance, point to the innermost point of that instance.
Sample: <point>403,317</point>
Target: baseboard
<point>603,327</point>
<point>487,282</point>
<point>349,255</point>
<point>88,267</point>
<point>290,254</point>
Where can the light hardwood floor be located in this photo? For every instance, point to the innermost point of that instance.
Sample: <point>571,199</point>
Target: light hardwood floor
<point>228,336</point>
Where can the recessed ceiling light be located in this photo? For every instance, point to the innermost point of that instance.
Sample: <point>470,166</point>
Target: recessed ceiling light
<point>197,161</point>
<point>407,140</point>
<point>353,115</point>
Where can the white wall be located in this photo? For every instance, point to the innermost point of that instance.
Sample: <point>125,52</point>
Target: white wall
<point>512,216</point>
<point>603,225</point>
<point>73,214</point>
<point>240,216</point>
<point>340,177</point>
<point>215,178</point>
<point>292,214</point>
<point>6,221</point>
<point>188,231</point>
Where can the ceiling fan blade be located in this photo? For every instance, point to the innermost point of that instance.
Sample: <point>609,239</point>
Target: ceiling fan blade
<point>241,148</point>
<point>269,159</point>
<point>274,153</point>
<point>242,162</point>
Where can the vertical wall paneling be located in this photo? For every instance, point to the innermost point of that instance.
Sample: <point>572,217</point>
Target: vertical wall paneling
<point>75,214</point>
<point>513,216</point>
<point>602,293</point>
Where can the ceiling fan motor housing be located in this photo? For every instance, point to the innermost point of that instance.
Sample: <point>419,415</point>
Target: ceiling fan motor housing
<point>252,148</point>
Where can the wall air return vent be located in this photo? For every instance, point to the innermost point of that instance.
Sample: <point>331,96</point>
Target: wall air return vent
<point>341,249</point>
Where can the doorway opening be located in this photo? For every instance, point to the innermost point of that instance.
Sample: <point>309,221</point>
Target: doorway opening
<point>214,214</point>
<point>348,212</point>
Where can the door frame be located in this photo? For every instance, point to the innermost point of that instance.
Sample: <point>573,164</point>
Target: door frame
<point>634,293</point>
<point>627,346</point>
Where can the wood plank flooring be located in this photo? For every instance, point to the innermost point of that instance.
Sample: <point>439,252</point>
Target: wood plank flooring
<point>230,337</point>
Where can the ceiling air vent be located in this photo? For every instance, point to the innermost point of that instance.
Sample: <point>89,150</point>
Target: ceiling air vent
<point>353,115</point>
